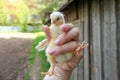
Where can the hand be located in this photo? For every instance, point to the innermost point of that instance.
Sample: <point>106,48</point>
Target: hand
<point>68,41</point>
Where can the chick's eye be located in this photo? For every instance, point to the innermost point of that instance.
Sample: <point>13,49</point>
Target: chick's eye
<point>58,19</point>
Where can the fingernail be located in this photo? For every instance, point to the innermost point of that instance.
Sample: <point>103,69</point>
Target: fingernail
<point>57,42</point>
<point>63,27</point>
<point>44,27</point>
<point>52,52</point>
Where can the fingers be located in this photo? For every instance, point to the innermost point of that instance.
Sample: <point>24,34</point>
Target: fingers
<point>47,32</point>
<point>66,27</point>
<point>64,48</point>
<point>72,35</point>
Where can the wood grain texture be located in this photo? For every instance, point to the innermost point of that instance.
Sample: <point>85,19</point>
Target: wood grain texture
<point>100,27</point>
<point>86,38</point>
<point>80,67</point>
<point>78,72</point>
<point>81,28</point>
<point>96,41</point>
<point>118,35</point>
<point>109,41</point>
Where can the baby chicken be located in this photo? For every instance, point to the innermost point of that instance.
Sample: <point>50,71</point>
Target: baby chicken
<point>57,19</point>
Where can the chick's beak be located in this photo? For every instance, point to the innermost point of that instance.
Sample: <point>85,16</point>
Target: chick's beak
<point>54,22</point>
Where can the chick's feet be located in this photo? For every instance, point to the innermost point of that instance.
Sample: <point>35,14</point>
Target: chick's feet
<point>50,73</point>
<point>81,47</point>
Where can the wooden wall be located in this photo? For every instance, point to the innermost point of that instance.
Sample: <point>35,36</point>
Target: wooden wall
<point>99,25</point>
<point>118,35</point>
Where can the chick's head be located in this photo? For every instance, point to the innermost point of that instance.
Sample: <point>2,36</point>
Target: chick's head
<point>57,18</point>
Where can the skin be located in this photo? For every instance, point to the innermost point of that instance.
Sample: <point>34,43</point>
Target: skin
<point>66,42</point>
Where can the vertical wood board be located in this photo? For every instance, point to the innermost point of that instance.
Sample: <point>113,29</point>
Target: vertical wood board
<point>96,47</point>
<point>86,38</point>
<point>78,72</point>
<point>118,36</point>
<point>109,41</point>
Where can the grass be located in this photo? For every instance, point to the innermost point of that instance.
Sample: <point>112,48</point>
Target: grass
<point>43,59</point>
<point>27,76</point>
<point>44,65</point>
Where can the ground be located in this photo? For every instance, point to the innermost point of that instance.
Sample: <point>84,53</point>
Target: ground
<point>14,51</point>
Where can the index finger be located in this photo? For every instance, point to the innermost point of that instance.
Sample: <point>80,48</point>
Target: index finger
<point>72,35</point>
<point>66,27</point>
<point>47,32</point>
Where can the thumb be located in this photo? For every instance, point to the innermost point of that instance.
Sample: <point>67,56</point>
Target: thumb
<point>46,29</point>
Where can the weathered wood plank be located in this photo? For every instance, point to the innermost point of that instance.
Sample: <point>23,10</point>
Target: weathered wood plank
<point>81,11</point>
<point>86,38</point>
<point>109,41</point>
<point>105,53</point>
<point>118,35</point>
<point>81,28</point>
<point>80,67</point>
<point>95,40</point>
<point>78,72</point>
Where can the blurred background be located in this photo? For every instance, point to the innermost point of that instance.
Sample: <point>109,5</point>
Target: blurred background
<point>20,32</point>
<point>26,15</point>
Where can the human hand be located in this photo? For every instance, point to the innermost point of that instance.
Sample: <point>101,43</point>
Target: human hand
<point>66,42</point>
<point>69,37</point>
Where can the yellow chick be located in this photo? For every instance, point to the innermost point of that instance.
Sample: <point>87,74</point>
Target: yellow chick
<point>57,19</point>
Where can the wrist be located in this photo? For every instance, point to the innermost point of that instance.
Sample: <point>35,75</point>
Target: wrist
<point>60,74</point>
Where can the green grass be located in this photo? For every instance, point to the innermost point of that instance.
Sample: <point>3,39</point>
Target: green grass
<point>44,65</point>
<point>43,59</point>
<point>27,76</point>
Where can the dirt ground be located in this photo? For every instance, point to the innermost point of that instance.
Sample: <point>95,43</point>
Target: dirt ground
<point>14,51</point>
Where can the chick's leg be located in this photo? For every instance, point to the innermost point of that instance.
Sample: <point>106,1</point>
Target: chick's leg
<point>51,72</point>
<point>52,67</point>
<point>51,59</point>
<point>69,65</point>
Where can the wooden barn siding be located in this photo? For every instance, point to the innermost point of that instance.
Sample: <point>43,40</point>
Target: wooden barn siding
<point>99,24</point>
<point>95,40</point>
<point>118,35</point>
<point>86,37</point>
<point>108,31</point>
